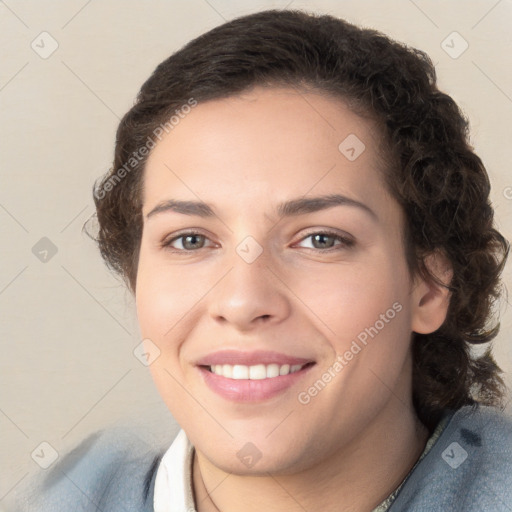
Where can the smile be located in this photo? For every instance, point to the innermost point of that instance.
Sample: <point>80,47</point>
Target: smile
<point>252,377</point>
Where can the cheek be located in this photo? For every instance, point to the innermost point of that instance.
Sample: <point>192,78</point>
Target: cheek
<point>350,299</point>
<point>166,295</point>
<point>364,314</point>
<point>164,302</point>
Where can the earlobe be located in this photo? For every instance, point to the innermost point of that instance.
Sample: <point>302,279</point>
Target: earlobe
<point>431,299</point>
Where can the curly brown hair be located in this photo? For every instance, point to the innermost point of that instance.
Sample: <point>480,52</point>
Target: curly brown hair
<point>432,170</point>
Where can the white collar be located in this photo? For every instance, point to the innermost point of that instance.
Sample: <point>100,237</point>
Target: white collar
<point>173,482</point>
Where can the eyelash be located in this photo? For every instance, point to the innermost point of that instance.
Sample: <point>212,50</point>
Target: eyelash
<point>345,241</point>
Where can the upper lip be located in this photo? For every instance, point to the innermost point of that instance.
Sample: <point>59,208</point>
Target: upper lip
<point>234,357</point>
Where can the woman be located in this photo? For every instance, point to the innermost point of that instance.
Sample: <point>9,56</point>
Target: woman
<point>308,236</point>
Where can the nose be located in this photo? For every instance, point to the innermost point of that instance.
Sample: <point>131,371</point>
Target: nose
<point>250,295</point>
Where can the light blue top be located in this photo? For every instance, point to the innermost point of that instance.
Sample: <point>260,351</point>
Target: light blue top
<point>468,468</point>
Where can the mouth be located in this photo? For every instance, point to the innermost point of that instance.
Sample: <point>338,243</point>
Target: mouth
<point>252,377</point>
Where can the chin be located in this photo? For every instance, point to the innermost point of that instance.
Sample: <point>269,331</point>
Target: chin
<point>259,455</point>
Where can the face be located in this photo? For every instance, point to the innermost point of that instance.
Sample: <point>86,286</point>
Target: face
<point>282,308</point>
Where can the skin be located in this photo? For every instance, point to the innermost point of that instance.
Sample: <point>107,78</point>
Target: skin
<point>355,441</point>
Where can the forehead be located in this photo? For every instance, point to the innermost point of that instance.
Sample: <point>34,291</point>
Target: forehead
<point>277,142</point>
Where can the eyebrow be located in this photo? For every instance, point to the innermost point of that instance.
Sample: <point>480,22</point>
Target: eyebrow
<point>293,207</point>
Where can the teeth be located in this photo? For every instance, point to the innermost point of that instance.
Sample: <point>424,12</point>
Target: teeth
<point>272,371</point>
<point>256,372</point>
<point>227,370</point>
<point>240,372</point>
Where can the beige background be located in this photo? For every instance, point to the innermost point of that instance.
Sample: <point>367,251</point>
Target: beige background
<point>69,328</point>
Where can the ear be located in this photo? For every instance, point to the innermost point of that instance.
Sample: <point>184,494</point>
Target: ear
<point>430,300</point>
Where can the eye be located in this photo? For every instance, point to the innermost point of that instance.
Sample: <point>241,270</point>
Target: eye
<point>189,241</point>
<point>326,241</point>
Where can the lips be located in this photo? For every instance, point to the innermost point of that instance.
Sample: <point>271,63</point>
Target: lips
<point>251,376</point>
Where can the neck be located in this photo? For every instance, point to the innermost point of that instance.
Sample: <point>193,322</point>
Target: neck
<point>357,477</point>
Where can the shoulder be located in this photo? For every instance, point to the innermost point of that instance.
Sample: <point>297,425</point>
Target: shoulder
<point>469,467</point>
<point>113,469</point>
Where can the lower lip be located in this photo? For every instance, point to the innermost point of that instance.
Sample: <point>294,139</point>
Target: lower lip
<point>246,390</point>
